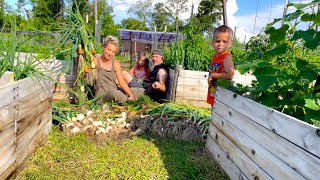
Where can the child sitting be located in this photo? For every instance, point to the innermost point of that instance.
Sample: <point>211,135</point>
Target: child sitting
<point>140,71</point>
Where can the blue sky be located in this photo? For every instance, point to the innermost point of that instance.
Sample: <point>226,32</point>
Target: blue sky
<point>250,6</point>
<point>249,17</point>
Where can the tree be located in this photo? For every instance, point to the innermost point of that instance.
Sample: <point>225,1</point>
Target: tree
<point>46,13</point>
<point>209,12</point>
<point>142,9</point>
<point>175,8</point>
<point>133,24</point>
<point>1,12</point>
<point>161,18</point>
<point>106,25</point>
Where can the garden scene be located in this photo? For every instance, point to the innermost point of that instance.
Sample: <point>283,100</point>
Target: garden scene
<point>64,131</point>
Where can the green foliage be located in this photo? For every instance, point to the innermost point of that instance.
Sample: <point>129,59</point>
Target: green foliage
<point>46,13</point>
<point>286,63</point>
<point>11,46</point>
<point>75,33</point>
<point>209,13</point>
<point>133,24</point>
<point>142,9</point>
<point>192,51</point>
<point>175,8</point>
<point>161,18</point>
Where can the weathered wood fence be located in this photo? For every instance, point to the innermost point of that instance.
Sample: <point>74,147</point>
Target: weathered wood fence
<point>25,121</point>
<point>191,87</point>
<point>252,141</point>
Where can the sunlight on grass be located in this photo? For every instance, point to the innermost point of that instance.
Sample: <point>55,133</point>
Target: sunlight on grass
<point>145,157</point>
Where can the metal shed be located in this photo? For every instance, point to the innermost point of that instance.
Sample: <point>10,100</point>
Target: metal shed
<point>134,42</point>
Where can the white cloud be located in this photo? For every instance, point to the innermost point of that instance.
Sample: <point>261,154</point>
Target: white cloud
<point>251,24</point>
<point>246,25</point>
<point>254,23</point>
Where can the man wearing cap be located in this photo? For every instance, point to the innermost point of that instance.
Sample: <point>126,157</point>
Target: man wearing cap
<point>155,85</point>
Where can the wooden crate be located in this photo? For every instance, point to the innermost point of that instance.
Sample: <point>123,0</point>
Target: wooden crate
<point>191,87</point>
<point>25,122</point>
<point>252,141</point>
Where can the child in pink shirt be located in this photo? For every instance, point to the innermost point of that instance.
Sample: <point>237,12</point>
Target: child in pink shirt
<point>141,69</point>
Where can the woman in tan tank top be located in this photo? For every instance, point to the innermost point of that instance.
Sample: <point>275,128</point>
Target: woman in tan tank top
<point>108,71</point>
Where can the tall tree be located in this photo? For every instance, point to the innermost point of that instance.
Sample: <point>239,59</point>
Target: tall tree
<point>161,18</point>
<point>209,12</point>
<point>46,13</point>
<point>142,8</point>
<point>106,25</point>
<point>176,7</point>
<point>133,24</point>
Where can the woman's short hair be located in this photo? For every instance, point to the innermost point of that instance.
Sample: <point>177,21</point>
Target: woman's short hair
<point>110,39</point>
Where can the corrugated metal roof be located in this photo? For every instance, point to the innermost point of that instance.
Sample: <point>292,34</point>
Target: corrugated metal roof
<point>138,35</point>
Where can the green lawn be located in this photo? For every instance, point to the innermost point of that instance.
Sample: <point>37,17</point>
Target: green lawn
<point>66,156</point>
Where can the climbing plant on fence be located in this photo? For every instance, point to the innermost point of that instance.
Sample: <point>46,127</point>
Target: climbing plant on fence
<point>288,65</point>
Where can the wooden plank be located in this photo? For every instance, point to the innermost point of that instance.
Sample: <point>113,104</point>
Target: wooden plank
<point>195,81</point>
<point>175,82</point>
<point>170,84</point>
<point>198,103</point>
<point>21,105</point>
<point>270,163</point>
<point>65,79</point>
<point>192,92</point>
<point>7,78</point>
<point>23,88</point>
<point>292,129</point>
<point>243,162</point>
<point>57,97</point>
<point>297,158</point>
<point>38,139</point>
<point>33,118</point>
<point>62,88</point>
<point>7,155</point>
<point>223,159</point>
<point>7,171</point>
<point>193,74</point>
<point>7,135</point>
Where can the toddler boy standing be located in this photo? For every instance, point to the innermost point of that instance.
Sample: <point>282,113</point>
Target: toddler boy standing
<point>221,66</point>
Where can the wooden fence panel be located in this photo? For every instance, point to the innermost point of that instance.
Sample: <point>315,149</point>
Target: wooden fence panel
<point>25,122</point>
<point>192,86</point>
<point>290,128</point>
<point>224,160</point>
<point>242,123</point>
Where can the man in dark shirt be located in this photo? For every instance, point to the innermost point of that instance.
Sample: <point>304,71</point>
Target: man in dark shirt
<point>155,85</point>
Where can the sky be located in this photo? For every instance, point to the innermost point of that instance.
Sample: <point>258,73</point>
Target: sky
<point>246,17</point>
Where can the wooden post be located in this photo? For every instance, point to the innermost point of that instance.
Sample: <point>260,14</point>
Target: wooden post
<point>225,20</point>
<point>175,82</point>
<point>96,20</point>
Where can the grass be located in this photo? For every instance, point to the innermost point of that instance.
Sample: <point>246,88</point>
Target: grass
<point>66,156</point>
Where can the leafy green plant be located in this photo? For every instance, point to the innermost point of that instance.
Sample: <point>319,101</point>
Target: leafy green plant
<point>11,46</point>
<point>287,65</point>
<point>192,51</point>
<point>76,37</point>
